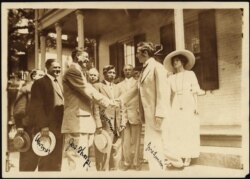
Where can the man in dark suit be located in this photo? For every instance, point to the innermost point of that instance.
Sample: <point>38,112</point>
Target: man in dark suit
<point>24,123</point>
<point>47,103</point>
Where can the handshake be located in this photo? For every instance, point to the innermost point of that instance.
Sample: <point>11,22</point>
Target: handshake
<point>116,103</point>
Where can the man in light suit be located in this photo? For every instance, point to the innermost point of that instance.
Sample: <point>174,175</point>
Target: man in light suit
<point>93,75</point>
<point>79,125</point>
<point>132,133</point>
<point>111,120</point>
<point>154,102</point>
<point>46,110</point>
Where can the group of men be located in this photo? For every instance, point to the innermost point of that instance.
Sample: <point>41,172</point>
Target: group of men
<point>81,107</point>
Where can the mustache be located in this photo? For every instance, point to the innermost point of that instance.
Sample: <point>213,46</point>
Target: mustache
<point>57,71</point>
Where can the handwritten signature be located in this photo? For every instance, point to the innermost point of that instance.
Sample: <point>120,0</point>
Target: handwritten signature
<point>115,132</point>
<point>154,153</point>
<point>79,150</point>
<point>41,146</point>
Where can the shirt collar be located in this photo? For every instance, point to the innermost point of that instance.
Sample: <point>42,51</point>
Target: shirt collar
<point>51,77</point>
<point>147,62</point>
<point>128,79</point>
<point>108,83</point>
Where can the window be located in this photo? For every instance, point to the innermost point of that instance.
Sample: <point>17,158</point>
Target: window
<point>200,38</point>
<point>129,53</point>
<point>124,52</point>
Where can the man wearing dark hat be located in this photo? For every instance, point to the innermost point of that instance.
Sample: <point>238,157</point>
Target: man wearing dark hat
<point>24,124</point>
<point>79,125</point>
<point>47,111</point>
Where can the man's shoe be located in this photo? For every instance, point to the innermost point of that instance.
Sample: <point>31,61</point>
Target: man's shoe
<point>187,162</point>
<point>125,167</point>
<point>137,168</point>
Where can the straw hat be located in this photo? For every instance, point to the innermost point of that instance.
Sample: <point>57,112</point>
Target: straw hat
<point>43,146</point>
<point>103,142</point>
<point>188,54</point>
<point>22,142</point>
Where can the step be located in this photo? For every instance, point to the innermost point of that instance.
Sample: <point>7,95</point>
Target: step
<point>226,157</point>
<point>221,135</point>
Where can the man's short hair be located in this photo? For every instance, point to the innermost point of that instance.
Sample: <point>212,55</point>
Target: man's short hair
<point>107,68</point>
<point>49,62</point>
<point>147,46</point>
<point>34,72</point>
<point>94,70</point>
<point>76,53</point>
<point>128,65</point>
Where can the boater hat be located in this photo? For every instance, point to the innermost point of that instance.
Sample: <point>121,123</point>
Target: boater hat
<point>42,145</point>
<point>189,55</point>
<point>22,142</point>
<point>103,142</point>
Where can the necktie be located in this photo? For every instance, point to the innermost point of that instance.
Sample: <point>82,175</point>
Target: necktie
<point>57,85</point>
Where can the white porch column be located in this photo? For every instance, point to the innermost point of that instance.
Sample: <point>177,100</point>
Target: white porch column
<point>41,61</point>
<point>179,29</point>
<point>59,42</point>
<point>80,29</point>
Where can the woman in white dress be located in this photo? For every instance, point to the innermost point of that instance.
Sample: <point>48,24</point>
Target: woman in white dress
<point>181,135</point>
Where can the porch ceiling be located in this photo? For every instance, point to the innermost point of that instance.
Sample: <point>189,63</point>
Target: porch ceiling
<point>100,21</point>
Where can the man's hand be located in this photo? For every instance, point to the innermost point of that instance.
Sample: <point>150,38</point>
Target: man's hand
<point>158,121</point>
<point>45,131</point>
<point>20,130</point>
<point>114,104</point>
<point>122,128</point>
<point>99,130</point>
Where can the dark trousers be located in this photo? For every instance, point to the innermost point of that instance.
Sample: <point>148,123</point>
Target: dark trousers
<point>29,161</point>
<point>53,161</point>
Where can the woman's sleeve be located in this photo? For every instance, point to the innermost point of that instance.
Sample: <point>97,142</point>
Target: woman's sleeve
<point>195,87</point>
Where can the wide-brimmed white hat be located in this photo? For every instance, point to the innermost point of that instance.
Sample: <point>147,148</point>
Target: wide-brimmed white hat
<point>103,142</point>
<point>188,54</point>
<point>43,146</point>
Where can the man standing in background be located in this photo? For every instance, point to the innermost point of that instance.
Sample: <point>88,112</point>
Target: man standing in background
<point>111,120</point>
<point>93,75</point>
<point>132,133</point>
<point>24,123</point>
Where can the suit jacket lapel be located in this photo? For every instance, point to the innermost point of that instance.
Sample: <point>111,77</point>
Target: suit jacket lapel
<point>116,91</point>
<point>58,91</point>
<point>106,90</point>
<point>147,69</point>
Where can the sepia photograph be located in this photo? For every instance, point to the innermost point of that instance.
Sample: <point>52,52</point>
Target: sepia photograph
<point>125,89</point>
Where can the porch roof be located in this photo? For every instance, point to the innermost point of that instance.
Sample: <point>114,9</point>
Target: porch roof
<point>96,21</point>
